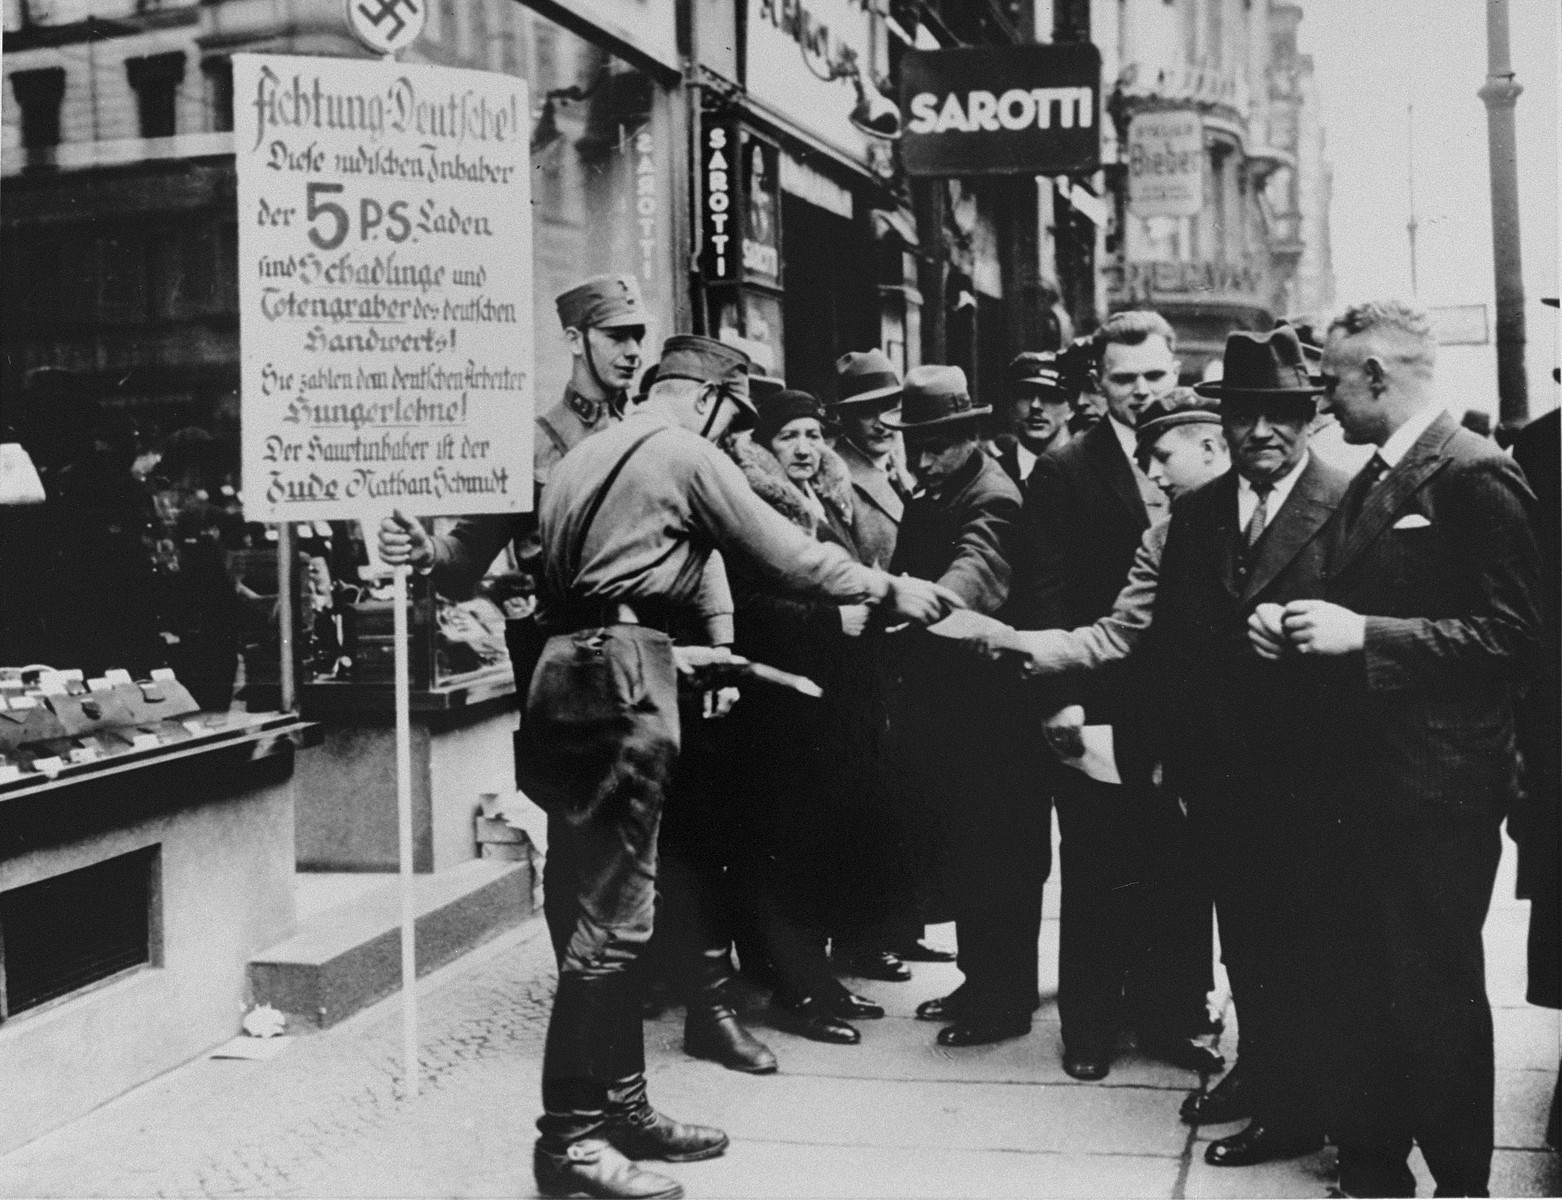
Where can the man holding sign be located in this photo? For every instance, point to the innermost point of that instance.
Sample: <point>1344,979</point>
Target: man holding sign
<point>629,521</point>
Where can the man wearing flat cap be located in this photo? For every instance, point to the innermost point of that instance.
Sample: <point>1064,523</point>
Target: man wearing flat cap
<point>1239,730</point>
<point>960,728</point>
<point>1038,414</point>
<point>629,520</point>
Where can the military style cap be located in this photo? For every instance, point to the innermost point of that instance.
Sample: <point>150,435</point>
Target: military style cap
<point>1180,406</point>
<point>602,302</point>
<point>705,360</point>
<point>1035,370</point>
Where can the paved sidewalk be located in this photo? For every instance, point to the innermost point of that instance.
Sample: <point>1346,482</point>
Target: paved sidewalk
<point>895,1116</point>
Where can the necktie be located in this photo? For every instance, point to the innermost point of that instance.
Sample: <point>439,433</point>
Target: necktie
<point>1376,468</point>
<point>1260,518</point>
<point>1361,487</point>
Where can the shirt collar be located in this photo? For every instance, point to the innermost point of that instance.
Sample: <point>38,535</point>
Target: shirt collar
<point>1126,438</point>
<point>1281,488</point>
<point>1407,435</point>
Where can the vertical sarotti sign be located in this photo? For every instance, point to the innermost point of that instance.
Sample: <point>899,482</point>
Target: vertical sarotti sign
<point>385,264</point>
<point>720,213</point>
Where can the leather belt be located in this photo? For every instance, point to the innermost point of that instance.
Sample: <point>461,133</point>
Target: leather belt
<point>600,614</point>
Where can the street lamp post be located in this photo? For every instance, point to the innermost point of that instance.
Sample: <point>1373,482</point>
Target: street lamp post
<point>1500,94</point>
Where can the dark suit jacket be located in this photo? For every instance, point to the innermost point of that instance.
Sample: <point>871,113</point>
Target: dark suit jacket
<point>1237,723</point>
<point>1082,523</point>
<point>1443,563</point>
<point>963,537</point>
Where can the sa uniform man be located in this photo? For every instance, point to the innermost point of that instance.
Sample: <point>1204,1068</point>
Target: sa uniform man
<point>604,322</point>
<point>629,521</point>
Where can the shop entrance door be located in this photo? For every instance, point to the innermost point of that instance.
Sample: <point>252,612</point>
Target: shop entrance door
<point>830,304</point>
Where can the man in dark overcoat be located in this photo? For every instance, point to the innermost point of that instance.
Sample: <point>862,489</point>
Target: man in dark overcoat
<point>1087,505</point>
<point>1237,725</point>
<point>969,756</point>
<point>1428,621</point>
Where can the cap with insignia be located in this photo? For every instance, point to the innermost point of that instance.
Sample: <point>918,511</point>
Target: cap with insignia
<point>1180,406</point>
<point>1035,370</point>
<point>705,360</point>
<point>602,302</point>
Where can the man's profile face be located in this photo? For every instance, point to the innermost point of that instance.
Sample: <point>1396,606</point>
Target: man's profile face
<point>1182,459</point>
<point>1267,438</point>
<point>614,352</point>
<point>1039,416</point>
<point>934,457</point>
<point>1132,376</point>
<point>1349,397</point>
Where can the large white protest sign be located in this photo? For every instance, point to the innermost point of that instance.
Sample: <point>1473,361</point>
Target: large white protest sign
<point>385,262</point>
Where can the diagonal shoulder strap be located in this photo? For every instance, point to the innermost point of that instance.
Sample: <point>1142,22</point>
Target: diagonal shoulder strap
<point>595,506</point>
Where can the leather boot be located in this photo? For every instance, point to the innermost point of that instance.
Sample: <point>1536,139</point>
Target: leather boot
<point>650,1134</point>
<point>711,1028</point>
<point>592,1167</point>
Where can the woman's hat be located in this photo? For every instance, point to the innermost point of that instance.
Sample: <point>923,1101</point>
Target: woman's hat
<point>935,396</point>
<point>864,376</point>
<point>1258,366</point>
<point>786,405</point>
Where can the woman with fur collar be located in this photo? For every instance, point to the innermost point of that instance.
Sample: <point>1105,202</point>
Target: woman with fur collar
<point>803,772</point>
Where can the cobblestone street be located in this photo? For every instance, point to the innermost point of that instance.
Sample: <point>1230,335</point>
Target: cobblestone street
<point>895,1116</point>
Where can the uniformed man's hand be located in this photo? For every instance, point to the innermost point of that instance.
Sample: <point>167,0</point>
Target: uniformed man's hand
<point>920,600</point>
<point>404,542</point>
<point>699,666</point>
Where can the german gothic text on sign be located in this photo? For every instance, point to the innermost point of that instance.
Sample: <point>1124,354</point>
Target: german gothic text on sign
<point>1001,110</point>
<point>384,288</point>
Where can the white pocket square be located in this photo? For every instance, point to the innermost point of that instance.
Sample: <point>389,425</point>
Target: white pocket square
<point>1412,521</point>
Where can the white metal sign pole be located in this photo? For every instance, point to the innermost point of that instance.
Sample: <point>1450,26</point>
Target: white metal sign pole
<point>385,298</point>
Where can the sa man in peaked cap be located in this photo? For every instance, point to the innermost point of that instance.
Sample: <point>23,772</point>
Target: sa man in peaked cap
<point>629,521</point>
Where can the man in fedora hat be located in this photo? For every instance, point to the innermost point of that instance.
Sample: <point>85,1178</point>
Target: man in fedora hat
<point>1425,625</point>
<point>1238,730</point>
<point>1038,415</point>
<point>629,521</point>
<point>866,388</point>
<point>1087,506</point>
<point>961,728</point>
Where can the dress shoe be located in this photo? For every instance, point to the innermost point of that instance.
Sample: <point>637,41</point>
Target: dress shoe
<point>1260,1143</point>
<point>874,964</point>
<point>1088,1065</point>
<point>812,1020</point>
<point>1183,1052</point>
<point>979,1031</point>
<point>720,1036</point>
<point>1228,1100</point>
<point>650,1134</point>
<point>592,1167</point>
<point>851,1007</point>
<point>944,1008</point>
<point>922,952</point>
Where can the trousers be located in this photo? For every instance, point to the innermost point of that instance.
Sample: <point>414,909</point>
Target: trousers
<point>602,719</point>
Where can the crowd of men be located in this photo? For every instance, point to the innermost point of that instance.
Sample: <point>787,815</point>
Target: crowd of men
<point>1243,678</point>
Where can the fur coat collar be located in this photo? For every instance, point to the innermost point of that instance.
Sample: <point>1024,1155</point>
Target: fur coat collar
<point>768,478</point>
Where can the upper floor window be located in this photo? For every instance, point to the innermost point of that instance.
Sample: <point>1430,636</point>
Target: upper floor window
<point>156,79</point>
<point>39,93</point>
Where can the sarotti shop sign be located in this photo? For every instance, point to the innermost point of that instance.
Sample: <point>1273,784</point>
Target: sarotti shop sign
<point>1002,110</point>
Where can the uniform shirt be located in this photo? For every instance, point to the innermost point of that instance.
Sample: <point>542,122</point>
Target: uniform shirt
<point>564,426</point>
<point>677,499</point>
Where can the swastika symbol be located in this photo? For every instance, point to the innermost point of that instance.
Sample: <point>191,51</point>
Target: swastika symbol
<point>389,10</point>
